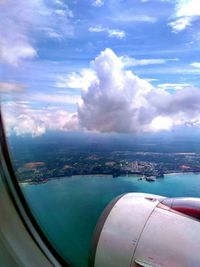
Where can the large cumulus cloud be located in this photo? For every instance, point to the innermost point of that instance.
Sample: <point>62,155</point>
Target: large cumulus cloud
<point>119,101</point>
<point>113,99</point>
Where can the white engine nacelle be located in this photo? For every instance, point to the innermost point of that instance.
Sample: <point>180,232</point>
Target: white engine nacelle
<point>148,230</point>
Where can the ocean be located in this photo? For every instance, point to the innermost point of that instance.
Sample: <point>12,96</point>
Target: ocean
<point>68,209</point>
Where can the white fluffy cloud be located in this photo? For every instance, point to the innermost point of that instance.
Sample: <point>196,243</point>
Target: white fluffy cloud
<point>195,65</point>
<point>98,3</point>
<point>76,80</point>
<point>19,21</point>
<point>119,101</point>
<point>22,120</point>
<point>112,100</point>
<point>180,23</point>
<point>186,12</point>
<point>188,8</point>
<point>161,123</point>
<point>15,20</point>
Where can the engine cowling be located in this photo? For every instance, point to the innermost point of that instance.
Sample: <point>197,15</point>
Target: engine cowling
<point>144,230</point>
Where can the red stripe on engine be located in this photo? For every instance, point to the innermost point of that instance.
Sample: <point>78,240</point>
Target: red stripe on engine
<point>188,211</point>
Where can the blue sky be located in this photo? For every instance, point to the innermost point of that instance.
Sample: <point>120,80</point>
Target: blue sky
<point>53,64</point>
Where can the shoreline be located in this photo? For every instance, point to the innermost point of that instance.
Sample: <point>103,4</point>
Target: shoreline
<point>182,173</point>
<point>24,183</point>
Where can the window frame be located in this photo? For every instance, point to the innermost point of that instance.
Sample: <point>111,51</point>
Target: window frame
<point>23,211</point>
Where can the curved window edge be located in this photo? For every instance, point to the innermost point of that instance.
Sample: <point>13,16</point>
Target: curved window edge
<point>19,208</point>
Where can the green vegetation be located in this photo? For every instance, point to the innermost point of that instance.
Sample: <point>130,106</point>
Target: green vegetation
<point>39,160</point>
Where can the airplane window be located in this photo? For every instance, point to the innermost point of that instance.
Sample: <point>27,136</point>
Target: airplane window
<point>101,102</point>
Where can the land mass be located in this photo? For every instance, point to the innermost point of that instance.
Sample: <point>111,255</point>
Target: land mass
<point>38,160</point>
<point>115,164</point>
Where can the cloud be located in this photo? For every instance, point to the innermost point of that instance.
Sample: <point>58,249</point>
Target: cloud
<point>173,86</point>
<point>113,99</point>
<point>64,12</point>
<point>130,62</point>
<point>116,99</point>
<point>111,32</point>
<point>15,44</point>
<point>161,123</point>
<point>126,17</point>
<point>180,24</point>
<point>23,120</point>
<point>119,101</point>
<point>195,65</point>
<point>151,79</point>
<point>98,3</point>
<point>76,80</point>
<point>52,98</point>
<point>49,98</point>
<point>13,54</point>
<point>22,22</point>
<point>187,8</point>
<point>186,12</point>
<point>116,33</point>
<point>6,87</point>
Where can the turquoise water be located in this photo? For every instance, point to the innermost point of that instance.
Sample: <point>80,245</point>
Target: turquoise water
<point>68,209</point>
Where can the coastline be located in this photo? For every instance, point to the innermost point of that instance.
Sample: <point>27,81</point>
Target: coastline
<point>182,173</point>
<point>24,183</point>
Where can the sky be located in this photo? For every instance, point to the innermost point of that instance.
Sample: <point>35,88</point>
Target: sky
<point>107,66</point>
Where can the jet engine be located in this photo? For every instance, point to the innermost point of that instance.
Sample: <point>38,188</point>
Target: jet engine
<point>148,230</point>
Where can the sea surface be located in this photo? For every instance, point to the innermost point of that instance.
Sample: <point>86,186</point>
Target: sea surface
<point>68,209</point>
